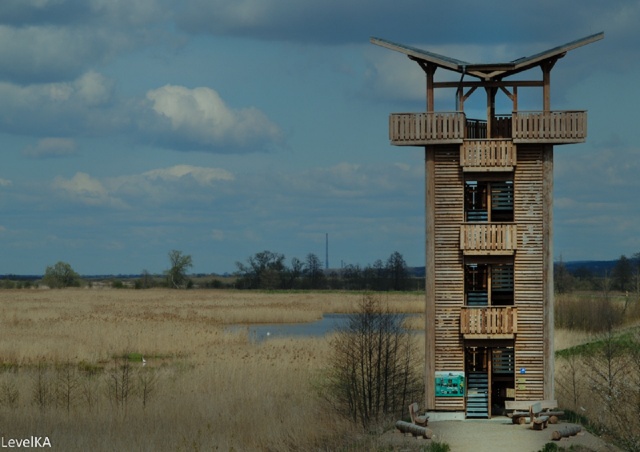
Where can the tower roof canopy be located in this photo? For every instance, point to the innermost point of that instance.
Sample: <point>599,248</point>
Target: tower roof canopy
<point>486,70</point>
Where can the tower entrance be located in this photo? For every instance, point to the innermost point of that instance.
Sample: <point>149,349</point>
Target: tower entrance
<point>490,376</point>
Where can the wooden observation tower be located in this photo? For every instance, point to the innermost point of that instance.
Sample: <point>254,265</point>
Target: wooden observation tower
<point>489,254</point>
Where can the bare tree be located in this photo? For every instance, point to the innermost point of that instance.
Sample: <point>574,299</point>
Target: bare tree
<point>264,270</point>
<point>313,271</point>
<point>373,372</point>
<point>397,271</point>
<point>622,273</point>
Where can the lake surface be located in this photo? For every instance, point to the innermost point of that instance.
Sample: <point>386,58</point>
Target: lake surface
<point>326,325</point>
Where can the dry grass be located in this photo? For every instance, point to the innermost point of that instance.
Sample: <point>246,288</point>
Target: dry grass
<point>565,338</point>
<point>213,389</point>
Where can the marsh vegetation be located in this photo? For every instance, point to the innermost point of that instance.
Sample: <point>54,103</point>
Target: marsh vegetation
<point>72,369</point>
<point>598,363</point>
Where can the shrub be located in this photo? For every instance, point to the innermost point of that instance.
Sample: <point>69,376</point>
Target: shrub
<point>61,275</point>
<point>373,373</point>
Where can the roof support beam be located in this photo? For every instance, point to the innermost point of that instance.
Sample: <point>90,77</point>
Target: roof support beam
<point>546,67</point>
<point>463,97</point>
<point>494,84</point>
<point>513,96</point>
<point>430,70</point>
<point>491,108</point>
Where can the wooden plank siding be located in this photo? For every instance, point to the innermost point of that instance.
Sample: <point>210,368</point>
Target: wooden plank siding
<point>449,270</point>
<point>445,295</point>
<point>507,235</point>
<point>529,273</point>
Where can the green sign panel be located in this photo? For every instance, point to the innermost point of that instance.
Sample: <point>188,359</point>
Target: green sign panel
<point>450,384</point>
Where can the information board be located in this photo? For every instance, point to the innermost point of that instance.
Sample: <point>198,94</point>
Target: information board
<point>450,384</point>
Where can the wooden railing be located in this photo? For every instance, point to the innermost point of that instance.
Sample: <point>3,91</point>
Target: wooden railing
<point>489,323</point>
<point>415,129</point>
<point>476,129</point>
<point>550,127</point>
<point>488,155</point>
<point>420,128</point>
<point>488,238</point>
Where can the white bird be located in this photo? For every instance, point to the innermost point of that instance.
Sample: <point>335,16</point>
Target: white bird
<point>144,361</point>
<point>268,333</point>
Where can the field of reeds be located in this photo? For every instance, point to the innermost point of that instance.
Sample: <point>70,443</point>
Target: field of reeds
<point>71,369</point>
<point>598,363</point>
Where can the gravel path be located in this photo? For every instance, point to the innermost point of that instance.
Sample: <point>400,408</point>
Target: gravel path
<point>495,435</point>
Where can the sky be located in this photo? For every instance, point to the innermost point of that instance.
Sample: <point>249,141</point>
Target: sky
<point>222,128</point>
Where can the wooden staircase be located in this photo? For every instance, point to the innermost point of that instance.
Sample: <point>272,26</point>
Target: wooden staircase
<point>477,395</point>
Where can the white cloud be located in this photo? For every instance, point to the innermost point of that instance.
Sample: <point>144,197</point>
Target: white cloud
<point>5,182</point>
<point>180,183</point>
<point>45,53</point>
<point>87,190</point>
<point>391,75</point>
<point>61,108</point>
<point>200,118</point>
<point>43,41</point>
<point>51,147</point>
<point>204,176</point>
<point>94,88</point>
<point>217,235</point>
<point>173,117</point>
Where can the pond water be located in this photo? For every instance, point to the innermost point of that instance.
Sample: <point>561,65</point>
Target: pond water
<point>327,324</point>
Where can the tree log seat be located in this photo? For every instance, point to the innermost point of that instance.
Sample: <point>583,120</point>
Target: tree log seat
<point>538,420</point>
<point>521,413</point>
<point>416,417</point>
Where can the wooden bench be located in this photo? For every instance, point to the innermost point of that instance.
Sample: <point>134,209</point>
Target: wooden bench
<point>417,418</point>
<point>520,410</point>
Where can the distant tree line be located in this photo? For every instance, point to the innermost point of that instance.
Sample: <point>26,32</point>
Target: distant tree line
<point>267,270</point>
<point>623,276</point>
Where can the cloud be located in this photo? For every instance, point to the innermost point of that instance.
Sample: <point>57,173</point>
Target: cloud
<point>173,117</point>
<point>42,54</point>
<point>217,235</point>
<point>5,182</point>
<point>51,147</point>
<point>176,184</point>
<point>203,176</point>
<point>180,185</point>
<point>200,119</point>
<point>86,190</point>
<point>339,22</point>
<point>79,107</point>
<point>43,41</point>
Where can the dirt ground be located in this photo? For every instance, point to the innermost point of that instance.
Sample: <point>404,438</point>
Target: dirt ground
<point>495,435</point>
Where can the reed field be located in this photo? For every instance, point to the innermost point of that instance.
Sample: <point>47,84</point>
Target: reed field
<point>71,369</point>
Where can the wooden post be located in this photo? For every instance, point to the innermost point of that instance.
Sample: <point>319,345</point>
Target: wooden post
<point>430,69</point>
<point>430,278</point>
<point>491,108</point>
<point>547,240</point>
<point>430,254</point>
<point>546,67</point>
